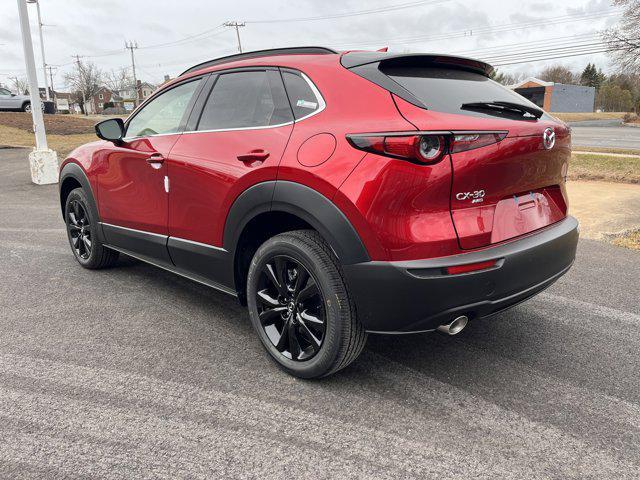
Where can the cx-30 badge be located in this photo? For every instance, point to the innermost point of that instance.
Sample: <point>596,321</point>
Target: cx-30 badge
<point>475,197</point>
<point>549,138</point>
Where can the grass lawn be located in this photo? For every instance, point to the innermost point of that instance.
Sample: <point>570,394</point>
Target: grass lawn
<point>602,167</point>
<point>630,240</point>
<point>578,117</point>
<point>621,151</point>
<point>64,132</point>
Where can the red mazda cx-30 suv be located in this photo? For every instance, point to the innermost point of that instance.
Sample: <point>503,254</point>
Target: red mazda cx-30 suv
<point>335,194</point>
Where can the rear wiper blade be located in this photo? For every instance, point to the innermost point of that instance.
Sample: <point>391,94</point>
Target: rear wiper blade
<point>504,106</point>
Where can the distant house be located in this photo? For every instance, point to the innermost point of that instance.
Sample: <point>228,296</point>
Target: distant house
<point>128,94</point>
<point>96,104</point>
<point>556,97</point>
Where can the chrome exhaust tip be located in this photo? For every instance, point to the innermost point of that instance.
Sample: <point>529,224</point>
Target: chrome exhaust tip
<point>455,327</point>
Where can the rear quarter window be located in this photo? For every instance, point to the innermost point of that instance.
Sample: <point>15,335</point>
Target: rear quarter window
<point>304,101</point>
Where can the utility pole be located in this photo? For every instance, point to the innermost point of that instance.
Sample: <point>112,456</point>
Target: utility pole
<point>53,92</point>
<point>43,162</point>
<point>132,46</point>
<point>44,62</point>
<point>237,26</point>
<point>80,79</point>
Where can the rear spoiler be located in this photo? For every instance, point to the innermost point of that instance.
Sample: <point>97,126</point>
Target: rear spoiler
<point>357,59</point>
<point>371,65</point>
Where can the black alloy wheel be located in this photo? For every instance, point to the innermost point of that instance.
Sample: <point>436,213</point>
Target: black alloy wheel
<point>79,227</point>
<point>291,308</point>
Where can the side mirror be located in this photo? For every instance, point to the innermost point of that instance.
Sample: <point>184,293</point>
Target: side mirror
<point>13,94</point>
<point>111,130</point>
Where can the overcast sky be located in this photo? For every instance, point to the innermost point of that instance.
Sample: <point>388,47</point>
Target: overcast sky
<point>487,29</point>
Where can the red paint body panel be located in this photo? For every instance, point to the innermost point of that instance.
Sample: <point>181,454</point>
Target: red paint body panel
<point>405,207</point>
<point>131,191</point>
<point>509,173</point>
<point>206,177</point>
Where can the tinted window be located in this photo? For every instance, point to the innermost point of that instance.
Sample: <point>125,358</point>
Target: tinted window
<point>164,113</point>
<point>303,100</point>
<point>4,91</point>
<point>246,100</point>
<point>445,90</point>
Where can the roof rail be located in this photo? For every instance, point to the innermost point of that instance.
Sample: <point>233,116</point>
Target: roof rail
<point>261,53</point>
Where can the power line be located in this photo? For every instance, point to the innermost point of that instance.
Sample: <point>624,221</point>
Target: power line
<point>555,57</point>
<point>484,30</point>
<point>389,8</point>
<point>188,39</point>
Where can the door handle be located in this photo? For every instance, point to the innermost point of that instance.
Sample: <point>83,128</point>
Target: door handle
<point>257,154</point>
<point>155,160</point>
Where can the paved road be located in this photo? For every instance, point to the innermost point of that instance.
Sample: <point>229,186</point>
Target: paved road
<point>134,372</point>
<point>604,133</point>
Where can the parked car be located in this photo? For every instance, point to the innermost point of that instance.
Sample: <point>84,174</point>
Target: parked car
<point>334,194</point>
<point>11,101</point>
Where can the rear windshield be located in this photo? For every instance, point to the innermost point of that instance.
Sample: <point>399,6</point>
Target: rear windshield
<point>446,89</point>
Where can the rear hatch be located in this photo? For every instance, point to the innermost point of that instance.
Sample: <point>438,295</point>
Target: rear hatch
<point>511,181</point>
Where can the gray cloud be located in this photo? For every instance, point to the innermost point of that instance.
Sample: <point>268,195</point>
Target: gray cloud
<point>100,28</point>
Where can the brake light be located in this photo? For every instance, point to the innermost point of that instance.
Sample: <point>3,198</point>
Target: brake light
<point>470,267</point>
<point>462,142</point>
<point>425,148</point>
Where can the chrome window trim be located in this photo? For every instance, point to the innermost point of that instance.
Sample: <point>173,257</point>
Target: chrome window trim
<point>239,128</point>
<point>321,102</point>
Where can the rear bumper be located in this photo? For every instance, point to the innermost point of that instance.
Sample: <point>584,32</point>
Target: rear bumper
<point>416,296</point>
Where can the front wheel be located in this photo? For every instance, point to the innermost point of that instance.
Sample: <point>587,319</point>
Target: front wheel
<point>82,232</point>
<point>300,307</point>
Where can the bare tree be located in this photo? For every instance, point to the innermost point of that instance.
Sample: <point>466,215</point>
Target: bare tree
<point>506,78</point>
<point>85,79</point>
<point>558,74</point>
<point>21,86</point>
<point>119,79</point>
<point>625,40</point>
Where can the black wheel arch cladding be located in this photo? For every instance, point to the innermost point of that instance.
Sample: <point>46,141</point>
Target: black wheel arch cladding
<point>73,172</point>
<point>304,202</point>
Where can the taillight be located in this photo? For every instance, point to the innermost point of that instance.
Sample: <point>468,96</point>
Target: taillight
<point>417,148</point>
<point>462,142</point>
<point>425,148</point>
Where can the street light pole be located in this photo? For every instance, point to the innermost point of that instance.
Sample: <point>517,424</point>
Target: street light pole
<point>44,62</point>
<point>43,162</point>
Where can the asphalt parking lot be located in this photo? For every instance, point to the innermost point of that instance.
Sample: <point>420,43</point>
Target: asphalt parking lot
<point>134,372</point>
<point>605,133</point>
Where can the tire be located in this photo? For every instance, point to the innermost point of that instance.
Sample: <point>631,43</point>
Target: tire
<point>310,287</point>
<point>26,107</point>
<point>81,232</point>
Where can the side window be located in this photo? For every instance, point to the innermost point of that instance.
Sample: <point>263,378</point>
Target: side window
<point>164,113</point>
<point>4,91</point>
<point>246,100</point>
<point>304,100</point>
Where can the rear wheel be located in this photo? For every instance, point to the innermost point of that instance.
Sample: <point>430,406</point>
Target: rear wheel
<point>26,107</point>
<point>82,229</point>
<point>300,307</point>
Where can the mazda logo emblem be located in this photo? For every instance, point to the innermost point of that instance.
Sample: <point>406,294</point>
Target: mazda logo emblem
<point>549,138</point>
